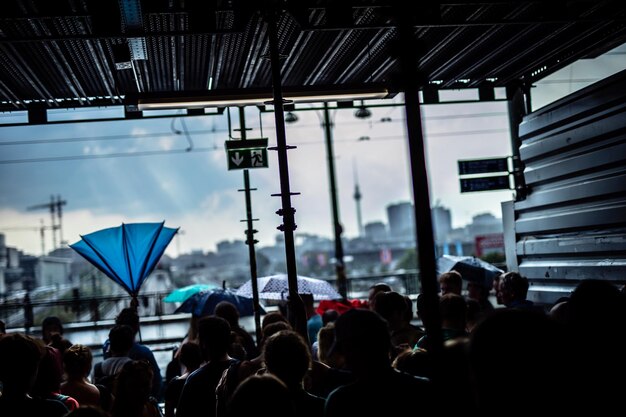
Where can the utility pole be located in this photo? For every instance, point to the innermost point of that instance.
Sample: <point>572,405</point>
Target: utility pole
<point>43,241</point>
<point>342,284</point>
<point>297,313</point>
<point>250,231</point>
<point>59,204</point>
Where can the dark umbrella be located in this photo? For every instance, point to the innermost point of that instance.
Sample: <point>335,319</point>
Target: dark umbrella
<point>204,302</point>
<point>471,268</point>
<point>128,253</point>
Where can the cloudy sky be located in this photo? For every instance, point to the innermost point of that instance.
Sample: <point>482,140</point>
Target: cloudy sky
<point>136,171</point>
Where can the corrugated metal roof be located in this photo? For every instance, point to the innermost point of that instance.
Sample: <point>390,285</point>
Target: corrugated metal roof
<point>62,53</point>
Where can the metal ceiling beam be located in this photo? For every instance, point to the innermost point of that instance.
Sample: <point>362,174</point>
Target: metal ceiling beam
<point>120,35</point>
<point>39,116</point>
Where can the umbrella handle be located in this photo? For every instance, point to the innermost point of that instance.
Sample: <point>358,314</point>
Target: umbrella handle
<point>134,302</point>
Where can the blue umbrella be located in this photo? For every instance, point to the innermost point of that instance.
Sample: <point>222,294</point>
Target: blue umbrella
<point>204,302</point>
<point>128,253</point>
<point>181,294</point>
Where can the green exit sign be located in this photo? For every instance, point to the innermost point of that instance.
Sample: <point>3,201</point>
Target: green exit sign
<point>246,154</point>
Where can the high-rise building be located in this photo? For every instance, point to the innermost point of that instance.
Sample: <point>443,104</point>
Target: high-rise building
<point>442,223</point>
<point>483,224</point>
<point>401,223</point>
<point>375,231</point>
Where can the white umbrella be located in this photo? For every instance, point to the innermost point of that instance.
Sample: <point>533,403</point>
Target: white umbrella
<point>276,287</point>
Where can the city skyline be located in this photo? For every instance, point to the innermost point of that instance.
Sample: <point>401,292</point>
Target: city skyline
<point>386,223</point>
<point>195,191</point>
<point>377,155</point>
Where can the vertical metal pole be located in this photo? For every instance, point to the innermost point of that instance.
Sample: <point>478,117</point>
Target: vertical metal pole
<point>297,314</point>
<point>54,225</point>
<point>423,221</point>
<point>339,265</point>
<point>250,236</point>
<point>60,218</point>
<point>42,236</point>
<point>517,109</point>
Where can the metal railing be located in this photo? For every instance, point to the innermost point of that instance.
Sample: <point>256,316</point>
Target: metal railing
<point>105,307</point>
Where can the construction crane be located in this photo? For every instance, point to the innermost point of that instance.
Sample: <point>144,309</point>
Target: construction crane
<point>55,207</point>
<point>41,229</point>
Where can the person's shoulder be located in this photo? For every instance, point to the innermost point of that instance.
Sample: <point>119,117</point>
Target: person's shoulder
<point>141,349</point>
<point>308,404</point>
<point>316,318</point>
<point>40,407</point>
<point>410,386</point>
<point>421,342</point>
<point>343,391</point>
<point>196,374</point>
<point>404,377</point>
<point>312,400</point>
<point>70,402</point>
<point>343,400</point>
<point>53,408</point>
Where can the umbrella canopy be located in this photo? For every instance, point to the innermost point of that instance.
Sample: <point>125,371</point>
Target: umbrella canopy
<point>181,294</point>
<point>204,302</point>
<point>276,287</point>
<point>471,268</point>
<point>128,253</point>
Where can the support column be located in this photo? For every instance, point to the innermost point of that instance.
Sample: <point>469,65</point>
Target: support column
<point>250,231</point>
<point>340,269</point>
<point>297,315</point>
<point>406,48</point>
<point>518,106</point>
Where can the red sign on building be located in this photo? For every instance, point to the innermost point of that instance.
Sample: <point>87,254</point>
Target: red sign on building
<point>489,243</point>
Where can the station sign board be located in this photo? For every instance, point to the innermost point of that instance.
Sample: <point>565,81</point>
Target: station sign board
<point>470,168</point>
<point>496,182</point>
<point>483,166</point>
<point>246,154</point>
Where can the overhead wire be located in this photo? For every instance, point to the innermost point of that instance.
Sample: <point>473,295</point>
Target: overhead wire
<point>103,156</point>
<point>106,137</point>
<point>190,148</point>
<point>212,149</point>
<point>187,134</point>
<point>215,131</point>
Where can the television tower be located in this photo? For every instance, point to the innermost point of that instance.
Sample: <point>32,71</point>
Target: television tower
<point>357,200</point>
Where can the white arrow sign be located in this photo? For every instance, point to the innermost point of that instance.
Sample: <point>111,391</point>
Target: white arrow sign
<point>237,160</point>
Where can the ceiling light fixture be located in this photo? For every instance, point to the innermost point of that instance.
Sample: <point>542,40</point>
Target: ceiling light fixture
<point>291,117</point>
<point>225,98</point>
<point>362,112</point>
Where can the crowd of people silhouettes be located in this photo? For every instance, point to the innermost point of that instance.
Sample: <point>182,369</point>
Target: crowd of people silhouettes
<point>517,357</point>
